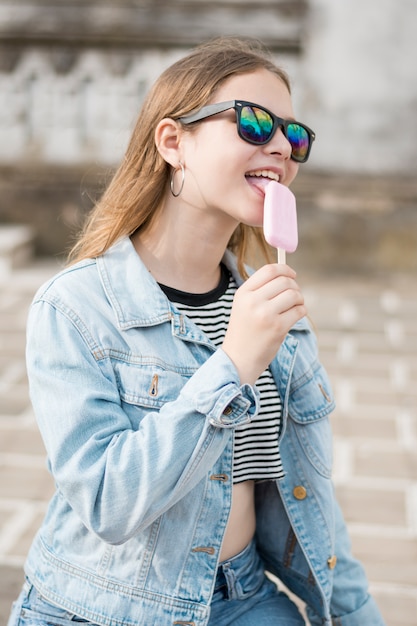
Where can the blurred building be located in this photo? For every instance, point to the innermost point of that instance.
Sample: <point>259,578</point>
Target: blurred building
<point>73,74</point>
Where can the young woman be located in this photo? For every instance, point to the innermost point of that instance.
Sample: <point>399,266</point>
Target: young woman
<point>182,404</point>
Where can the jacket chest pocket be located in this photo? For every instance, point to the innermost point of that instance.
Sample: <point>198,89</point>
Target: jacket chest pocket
<point>147,386</point>
<point>310,403</point>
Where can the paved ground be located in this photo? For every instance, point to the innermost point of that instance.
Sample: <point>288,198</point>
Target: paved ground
<point>367,331</point>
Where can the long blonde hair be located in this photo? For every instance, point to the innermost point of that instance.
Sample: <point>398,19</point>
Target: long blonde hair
<point>135,193</point>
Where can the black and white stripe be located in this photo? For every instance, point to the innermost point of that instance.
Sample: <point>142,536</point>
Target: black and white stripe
<point>256,451</point>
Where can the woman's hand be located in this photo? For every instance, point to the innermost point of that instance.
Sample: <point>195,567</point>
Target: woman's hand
<point>265,307</point>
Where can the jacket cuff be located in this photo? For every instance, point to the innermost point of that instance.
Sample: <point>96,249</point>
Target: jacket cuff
<point>215,391</point>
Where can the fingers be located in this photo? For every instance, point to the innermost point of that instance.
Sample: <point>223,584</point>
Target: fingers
<point>267,273</point>
<point>273,283</point>
<point>283,290</point>
<point>286,300</point>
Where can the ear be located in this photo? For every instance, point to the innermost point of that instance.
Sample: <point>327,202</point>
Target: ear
<point>168,140</point>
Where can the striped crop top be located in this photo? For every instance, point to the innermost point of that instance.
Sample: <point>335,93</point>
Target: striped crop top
<point>256,452</point>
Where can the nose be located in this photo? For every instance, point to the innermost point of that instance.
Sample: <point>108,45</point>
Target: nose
<point>279,144</point>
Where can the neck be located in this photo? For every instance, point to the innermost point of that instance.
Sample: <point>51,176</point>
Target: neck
<point>183,254</point>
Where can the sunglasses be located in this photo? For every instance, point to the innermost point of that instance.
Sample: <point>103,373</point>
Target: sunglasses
<point>257,125</point>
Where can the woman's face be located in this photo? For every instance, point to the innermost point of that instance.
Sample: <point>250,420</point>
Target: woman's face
<point>221,167</point>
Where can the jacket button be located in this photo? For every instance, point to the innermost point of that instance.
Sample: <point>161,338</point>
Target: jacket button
<point>299,492</point>
<point>228,410</point>
<point>331,563</point>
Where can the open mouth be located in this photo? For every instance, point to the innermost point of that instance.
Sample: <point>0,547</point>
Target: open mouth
<point>260,178</point>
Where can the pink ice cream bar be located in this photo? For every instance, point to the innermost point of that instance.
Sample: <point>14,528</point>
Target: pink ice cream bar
<point>280,219</point>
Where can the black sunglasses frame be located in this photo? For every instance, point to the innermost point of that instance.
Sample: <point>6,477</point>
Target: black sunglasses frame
<point>278,122</point>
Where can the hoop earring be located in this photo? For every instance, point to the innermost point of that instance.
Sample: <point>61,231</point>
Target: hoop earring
<point>182,168</point>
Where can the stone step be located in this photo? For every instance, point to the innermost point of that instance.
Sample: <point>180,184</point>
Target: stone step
<point>16,247</point>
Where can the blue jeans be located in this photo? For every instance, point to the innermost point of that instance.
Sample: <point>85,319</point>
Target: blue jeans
<point>243,596</point>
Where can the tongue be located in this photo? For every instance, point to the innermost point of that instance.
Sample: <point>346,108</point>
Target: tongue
<point>259,181</point>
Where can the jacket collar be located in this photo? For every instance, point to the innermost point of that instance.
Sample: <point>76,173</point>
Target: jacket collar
<point>135,296</point>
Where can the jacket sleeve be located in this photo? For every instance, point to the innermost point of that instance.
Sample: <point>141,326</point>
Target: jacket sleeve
<point>118,477</point>
<point>351,604</point>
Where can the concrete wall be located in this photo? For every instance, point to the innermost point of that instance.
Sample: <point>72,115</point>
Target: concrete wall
<point>358,85</point>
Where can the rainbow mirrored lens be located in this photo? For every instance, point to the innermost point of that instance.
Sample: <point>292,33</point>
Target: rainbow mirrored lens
<point>299,140</point>
<point>255,124</point>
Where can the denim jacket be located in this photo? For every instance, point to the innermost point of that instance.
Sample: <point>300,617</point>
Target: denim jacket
<point>137,410</point>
